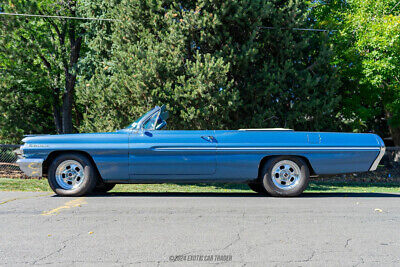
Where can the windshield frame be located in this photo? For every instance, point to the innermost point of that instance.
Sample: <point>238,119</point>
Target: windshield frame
<point>155,115</point>
<point>136,125</point>
<point>139,124</point>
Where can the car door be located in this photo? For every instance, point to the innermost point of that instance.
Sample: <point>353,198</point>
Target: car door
<point>171,153</point>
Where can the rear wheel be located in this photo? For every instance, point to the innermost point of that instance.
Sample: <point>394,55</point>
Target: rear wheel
<point>285,176</point>
<point>72,175</point>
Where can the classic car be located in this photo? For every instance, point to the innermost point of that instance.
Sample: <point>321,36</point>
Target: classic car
<point>275,161</point>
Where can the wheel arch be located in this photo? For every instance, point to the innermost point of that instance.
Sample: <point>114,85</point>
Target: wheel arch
<point>266,158</point>
<point>56,153</point>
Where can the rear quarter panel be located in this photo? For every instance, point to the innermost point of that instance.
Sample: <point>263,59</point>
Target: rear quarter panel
<point>239,153</point>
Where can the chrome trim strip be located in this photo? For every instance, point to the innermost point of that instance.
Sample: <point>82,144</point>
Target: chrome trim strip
<point>266,148</point>
<point>31,167</point>
<point>267,129</point>
<point>378,159</point>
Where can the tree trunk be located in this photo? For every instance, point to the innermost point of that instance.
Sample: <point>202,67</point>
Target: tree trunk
<point>56,106</point>
<point>57,120</point>
<point>394,131</point>
<point>67,103</point>
<point>70,79</point>
<point>395,134</point>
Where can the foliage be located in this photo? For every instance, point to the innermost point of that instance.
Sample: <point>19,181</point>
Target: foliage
<point>214,66</point>
<point>367,48</point>
<point>283,74</point>
<point>38,62</point>
<point>154,61</point>
<point>24,89</point>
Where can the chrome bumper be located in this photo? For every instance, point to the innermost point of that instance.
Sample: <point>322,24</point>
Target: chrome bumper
<point>378,159</point>
<point>31,167</point>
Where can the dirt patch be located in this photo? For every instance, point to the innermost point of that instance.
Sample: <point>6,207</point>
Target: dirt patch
<point>14,174</point>
<point>381,175</point>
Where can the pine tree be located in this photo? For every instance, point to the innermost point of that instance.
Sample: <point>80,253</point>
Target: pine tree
<point>215,65</point>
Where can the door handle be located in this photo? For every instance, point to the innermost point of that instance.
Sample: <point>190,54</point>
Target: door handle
<point>209,138</point>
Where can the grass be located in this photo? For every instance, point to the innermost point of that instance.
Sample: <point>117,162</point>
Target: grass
<point>314,187</point>
<point>23,185</point>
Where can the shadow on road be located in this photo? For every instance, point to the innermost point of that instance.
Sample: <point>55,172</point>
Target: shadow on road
<point>316,195</point>
<point>254,195</point>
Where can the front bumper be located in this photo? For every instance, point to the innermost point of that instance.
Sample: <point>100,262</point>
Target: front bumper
<point>31,167</point>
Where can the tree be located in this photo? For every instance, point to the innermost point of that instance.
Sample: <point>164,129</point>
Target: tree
<point>283,74</point>
<point>377,41</point>
<point>367,48</point>
<point>24,106</point>
<point>47,50</point>
<point>215,64</point>
<point>156,60</point>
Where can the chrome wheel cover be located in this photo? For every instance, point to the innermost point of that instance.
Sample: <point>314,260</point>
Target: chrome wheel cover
<point>70,174</point>
<point>286,174</point>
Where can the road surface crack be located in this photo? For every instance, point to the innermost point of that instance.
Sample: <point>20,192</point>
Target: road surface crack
<point>235,240</point>
<point>310,257</point>
<point>52,253</point>
<point>347,242</point>
<point>64,244</point>
<point>238,237</point>
<point>360,262</point>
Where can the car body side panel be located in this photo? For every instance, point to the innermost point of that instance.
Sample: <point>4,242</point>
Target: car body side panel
<point>239,152</point>
<point>182,156</point>
<point>109,151</point>
<point>171,154</point>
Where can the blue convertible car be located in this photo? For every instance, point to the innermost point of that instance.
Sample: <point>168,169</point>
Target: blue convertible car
<point>277,162</point>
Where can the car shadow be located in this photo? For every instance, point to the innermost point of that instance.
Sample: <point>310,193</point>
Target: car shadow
<point>241,195</point>
<point>357,195</point>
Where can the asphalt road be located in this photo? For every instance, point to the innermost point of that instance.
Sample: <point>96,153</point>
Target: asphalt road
<point>192,229</point>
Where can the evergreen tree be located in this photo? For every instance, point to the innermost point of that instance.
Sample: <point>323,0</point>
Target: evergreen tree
<point>214,64</point>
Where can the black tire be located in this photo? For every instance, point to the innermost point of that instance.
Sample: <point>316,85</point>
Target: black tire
<point>102,187</point>
<point>292,189</point>
<point>87,184</point>
<point>257,187</point>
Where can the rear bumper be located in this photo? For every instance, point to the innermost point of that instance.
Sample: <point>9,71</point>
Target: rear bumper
<point>378,159</point>
<point>31,167</point>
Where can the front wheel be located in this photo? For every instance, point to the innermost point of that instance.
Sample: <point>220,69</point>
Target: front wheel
<point>285,176</point>
<point>72,175</point>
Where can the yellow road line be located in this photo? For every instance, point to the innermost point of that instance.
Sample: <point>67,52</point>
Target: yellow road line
<point>70,204</point>
<point>18,198</point>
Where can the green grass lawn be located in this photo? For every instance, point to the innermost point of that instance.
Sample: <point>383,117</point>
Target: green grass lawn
<point>314,187</point>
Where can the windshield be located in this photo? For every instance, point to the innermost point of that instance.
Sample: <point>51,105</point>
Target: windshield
<point>136,122</point>
<point>151,123</point>
<point>155,119</point>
